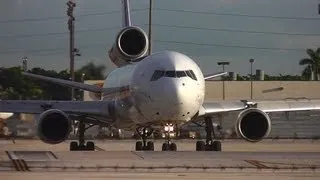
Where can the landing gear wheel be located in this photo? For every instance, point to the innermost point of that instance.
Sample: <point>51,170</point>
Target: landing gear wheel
<point>144,133</point>
<point>216,146</point>
<point>139,146</point>
<point>169,147</point>
<point>173,147</point>
<point>73,146</point>
<point>200,146</point>
<point>150,146</point>
<point>90,146</point>
<point>165,147</point>
<point>209,145</point>
<point>82,146</point>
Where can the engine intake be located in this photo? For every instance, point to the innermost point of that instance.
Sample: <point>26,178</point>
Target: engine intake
<point>131,44</point>
<point>253,125</point>
<point>54,126</point>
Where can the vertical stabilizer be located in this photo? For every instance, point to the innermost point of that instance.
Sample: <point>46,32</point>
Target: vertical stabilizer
<point>126,21</point>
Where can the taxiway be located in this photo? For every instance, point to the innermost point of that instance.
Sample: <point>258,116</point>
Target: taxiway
<point>279,159</point>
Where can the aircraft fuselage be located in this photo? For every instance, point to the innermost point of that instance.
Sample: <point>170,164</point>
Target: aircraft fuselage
<point>165,87</point>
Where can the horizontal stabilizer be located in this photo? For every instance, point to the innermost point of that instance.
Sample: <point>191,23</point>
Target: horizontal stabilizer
<point>209,76</point>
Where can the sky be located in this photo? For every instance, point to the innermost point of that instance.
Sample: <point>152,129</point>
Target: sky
<point>275,33</point>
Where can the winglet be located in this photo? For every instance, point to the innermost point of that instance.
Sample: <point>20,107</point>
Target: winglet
<point>209,76</point>
<point>126,20</point>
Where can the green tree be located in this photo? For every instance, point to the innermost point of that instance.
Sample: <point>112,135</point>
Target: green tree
<point>312,64</point>
<point>92,71</point>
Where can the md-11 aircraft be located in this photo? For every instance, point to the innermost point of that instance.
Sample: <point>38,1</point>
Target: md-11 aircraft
<point>164,89</point>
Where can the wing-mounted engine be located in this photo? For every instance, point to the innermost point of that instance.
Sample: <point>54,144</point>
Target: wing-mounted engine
<point>131,45</point>
<point>253,125</point>
<point>54,126</point>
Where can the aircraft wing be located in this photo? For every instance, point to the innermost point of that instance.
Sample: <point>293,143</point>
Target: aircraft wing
<point>79,85</point>
<point>214,75</point>
<point>91,109</point>
<point>214,107</point>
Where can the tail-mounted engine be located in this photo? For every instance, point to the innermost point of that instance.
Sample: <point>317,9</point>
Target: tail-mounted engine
<point>253,125</point>
<point>131,44</point>
<point>54,126</point>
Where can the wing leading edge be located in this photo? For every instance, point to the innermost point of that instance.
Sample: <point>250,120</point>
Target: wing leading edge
<point>213,107</point>
<point>74,107</point>
<point>87,87</point>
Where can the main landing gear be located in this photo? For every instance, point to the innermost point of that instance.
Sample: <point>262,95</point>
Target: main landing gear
<point>169,145</point>
<point>143,145</point>
<point>82,146</point>
<point>209,145</point>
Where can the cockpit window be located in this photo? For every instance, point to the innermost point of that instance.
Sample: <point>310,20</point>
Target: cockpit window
<point>170,74</point>
<point>180,74</point>
<point>191,75</point>
<point>173,74</point>
<point>157,75</point>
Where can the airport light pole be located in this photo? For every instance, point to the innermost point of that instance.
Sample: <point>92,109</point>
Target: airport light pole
<point>82,80</point>
<point>150,26</point>
<point>24,63</point>
<point>223,63</point>
<point>72,50</point>
<point>251,85</point>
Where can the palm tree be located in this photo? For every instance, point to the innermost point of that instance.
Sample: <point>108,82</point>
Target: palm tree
<point>313,64</point>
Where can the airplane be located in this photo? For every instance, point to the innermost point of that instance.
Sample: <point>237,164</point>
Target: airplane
<point>164,89</point>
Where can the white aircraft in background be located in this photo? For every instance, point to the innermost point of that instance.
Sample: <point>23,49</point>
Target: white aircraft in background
<point>165,89</point>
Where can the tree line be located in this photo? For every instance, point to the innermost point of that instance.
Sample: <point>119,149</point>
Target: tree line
<point>13,85</point>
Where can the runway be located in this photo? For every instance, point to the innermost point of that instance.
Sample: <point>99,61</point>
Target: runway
<point>282,159</point>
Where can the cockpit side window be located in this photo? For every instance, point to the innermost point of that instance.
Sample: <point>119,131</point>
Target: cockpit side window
<point>191,74</point>
<point>157,75</point>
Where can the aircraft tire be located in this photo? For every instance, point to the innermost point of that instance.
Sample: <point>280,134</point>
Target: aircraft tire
<point>200,146</point>
<point>73,146</point>
<point>150,146</point>
<point>139,146</point>
<point>173,147</point>
<point>90,146</point>
<point>165,147</point>
<point>216,146</point>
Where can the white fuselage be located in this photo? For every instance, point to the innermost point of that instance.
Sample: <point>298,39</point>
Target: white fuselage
<point>165,87</point>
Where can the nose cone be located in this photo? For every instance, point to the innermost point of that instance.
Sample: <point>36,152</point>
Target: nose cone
<point>172,100</point>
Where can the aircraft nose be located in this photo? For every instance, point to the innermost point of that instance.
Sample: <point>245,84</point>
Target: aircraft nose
<point>175,100</point>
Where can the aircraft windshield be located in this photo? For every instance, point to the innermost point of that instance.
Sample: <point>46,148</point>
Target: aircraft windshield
<point>173,74</point>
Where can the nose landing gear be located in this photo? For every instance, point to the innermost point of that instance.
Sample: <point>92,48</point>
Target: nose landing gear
<point>143,145</point>
<point>169,145</point>
<point>209,145</point>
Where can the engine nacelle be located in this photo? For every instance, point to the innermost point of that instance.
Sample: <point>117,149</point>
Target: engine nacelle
<point>54,126</point>
<point>131,44</point>
<point>253,125</point>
